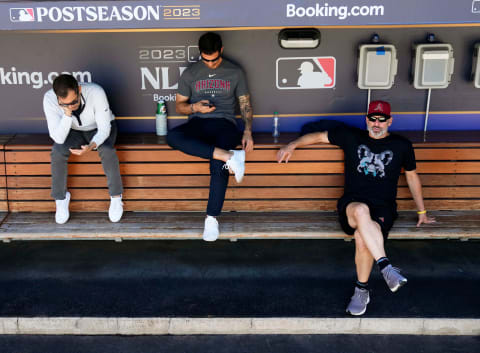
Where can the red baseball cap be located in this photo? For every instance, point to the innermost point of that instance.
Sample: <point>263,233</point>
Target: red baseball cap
<point>379,108</point>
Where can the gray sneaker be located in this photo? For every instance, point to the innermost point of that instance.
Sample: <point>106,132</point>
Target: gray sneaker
<point>359,301</point>
<point>393,278</point>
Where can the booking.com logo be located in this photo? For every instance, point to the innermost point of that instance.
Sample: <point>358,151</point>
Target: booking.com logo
<point>340,12</point>
<point>37,79</point>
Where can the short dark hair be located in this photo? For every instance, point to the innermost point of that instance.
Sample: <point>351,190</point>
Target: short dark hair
<point>210,43</point>
<point>63,83</point>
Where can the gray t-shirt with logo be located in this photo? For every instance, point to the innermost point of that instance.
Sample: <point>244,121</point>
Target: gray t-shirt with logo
<point>220,86</point>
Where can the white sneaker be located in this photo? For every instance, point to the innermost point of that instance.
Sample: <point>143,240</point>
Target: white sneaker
<point>236,164</point>
<point>115,211</point>
<point>62,214</point>
<point>210,232</point>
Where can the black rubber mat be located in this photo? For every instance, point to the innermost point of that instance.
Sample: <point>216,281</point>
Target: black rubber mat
<point>255,278</point>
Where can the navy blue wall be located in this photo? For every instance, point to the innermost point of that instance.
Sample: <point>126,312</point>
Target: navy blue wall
<point>118,61</point>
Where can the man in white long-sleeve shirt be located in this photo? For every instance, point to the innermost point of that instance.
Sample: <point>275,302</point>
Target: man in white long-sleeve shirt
<point>79,120</point>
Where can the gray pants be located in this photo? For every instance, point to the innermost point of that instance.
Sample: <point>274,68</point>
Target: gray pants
<point>75,139</point>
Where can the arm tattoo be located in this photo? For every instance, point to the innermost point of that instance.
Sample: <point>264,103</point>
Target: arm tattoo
<point>246,110</point>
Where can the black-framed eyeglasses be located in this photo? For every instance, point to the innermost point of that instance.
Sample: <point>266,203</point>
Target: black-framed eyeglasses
<point>380,118</point>
<point>74,102</point>
<point>212,60</point>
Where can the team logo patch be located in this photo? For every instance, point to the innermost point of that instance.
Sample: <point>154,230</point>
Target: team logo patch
<point>24,14</point>
<point>378,108</point>
<point>306,72</point>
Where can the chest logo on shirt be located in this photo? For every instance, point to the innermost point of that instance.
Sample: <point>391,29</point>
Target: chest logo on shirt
<point>212,86</point>
<point>373,163</point>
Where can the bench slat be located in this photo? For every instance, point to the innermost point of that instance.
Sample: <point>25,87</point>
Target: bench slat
<point>257,155</point>
<point>231,205</point>
<point>247,225</point>
<point>443,192</point>
<point>252,180</point>
<point>178,168</point>
<point>436,204</point>
<point>168,205</point>
<point>172,156</point>
<point>448,167</point>
<point>181,193</point>
<point>179,181</point>
<point>460,154</point>
<point>251,168</point>
<point>235,193</point>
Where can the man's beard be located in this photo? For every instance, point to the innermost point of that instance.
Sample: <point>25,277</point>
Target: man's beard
<point>377,134</point>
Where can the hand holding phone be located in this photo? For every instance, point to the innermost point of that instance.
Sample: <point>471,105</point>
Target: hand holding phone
<point>204,106</point>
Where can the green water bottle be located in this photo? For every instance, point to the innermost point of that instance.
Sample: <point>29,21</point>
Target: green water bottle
<point>161,118</point>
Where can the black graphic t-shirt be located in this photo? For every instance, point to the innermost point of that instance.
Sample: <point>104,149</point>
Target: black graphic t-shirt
<point>221,86</point>
<point>373,166</point>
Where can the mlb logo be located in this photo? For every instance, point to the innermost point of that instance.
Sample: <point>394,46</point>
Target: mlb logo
<point>306,72</point>
<point>22,15</point>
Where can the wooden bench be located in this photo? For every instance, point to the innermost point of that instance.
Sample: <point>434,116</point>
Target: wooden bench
<point>157,178</point>
<point>233,225</point>
<point>3,180</point>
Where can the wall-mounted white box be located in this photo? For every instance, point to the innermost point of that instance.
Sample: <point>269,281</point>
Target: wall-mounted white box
<point>377,66</point>
<point>433,67</point>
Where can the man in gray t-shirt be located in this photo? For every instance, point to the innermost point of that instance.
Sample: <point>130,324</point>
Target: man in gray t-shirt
<point>219,87</point>
<point>207,92</point>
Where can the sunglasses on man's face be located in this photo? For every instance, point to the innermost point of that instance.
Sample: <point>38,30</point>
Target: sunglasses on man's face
<point>212,60</point>
<point>380,118</point>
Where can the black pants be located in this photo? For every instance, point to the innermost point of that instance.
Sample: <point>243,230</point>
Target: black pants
<point>199,137</point>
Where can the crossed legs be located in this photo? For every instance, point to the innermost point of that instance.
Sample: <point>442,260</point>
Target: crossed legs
<point>212,139</point>
<point>369,245</point>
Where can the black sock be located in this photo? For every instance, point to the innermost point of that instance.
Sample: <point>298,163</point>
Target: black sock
<point>383,262</point>
<point>361,285</point>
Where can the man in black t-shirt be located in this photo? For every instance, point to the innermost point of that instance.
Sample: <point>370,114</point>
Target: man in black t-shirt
<point>373,163</point>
